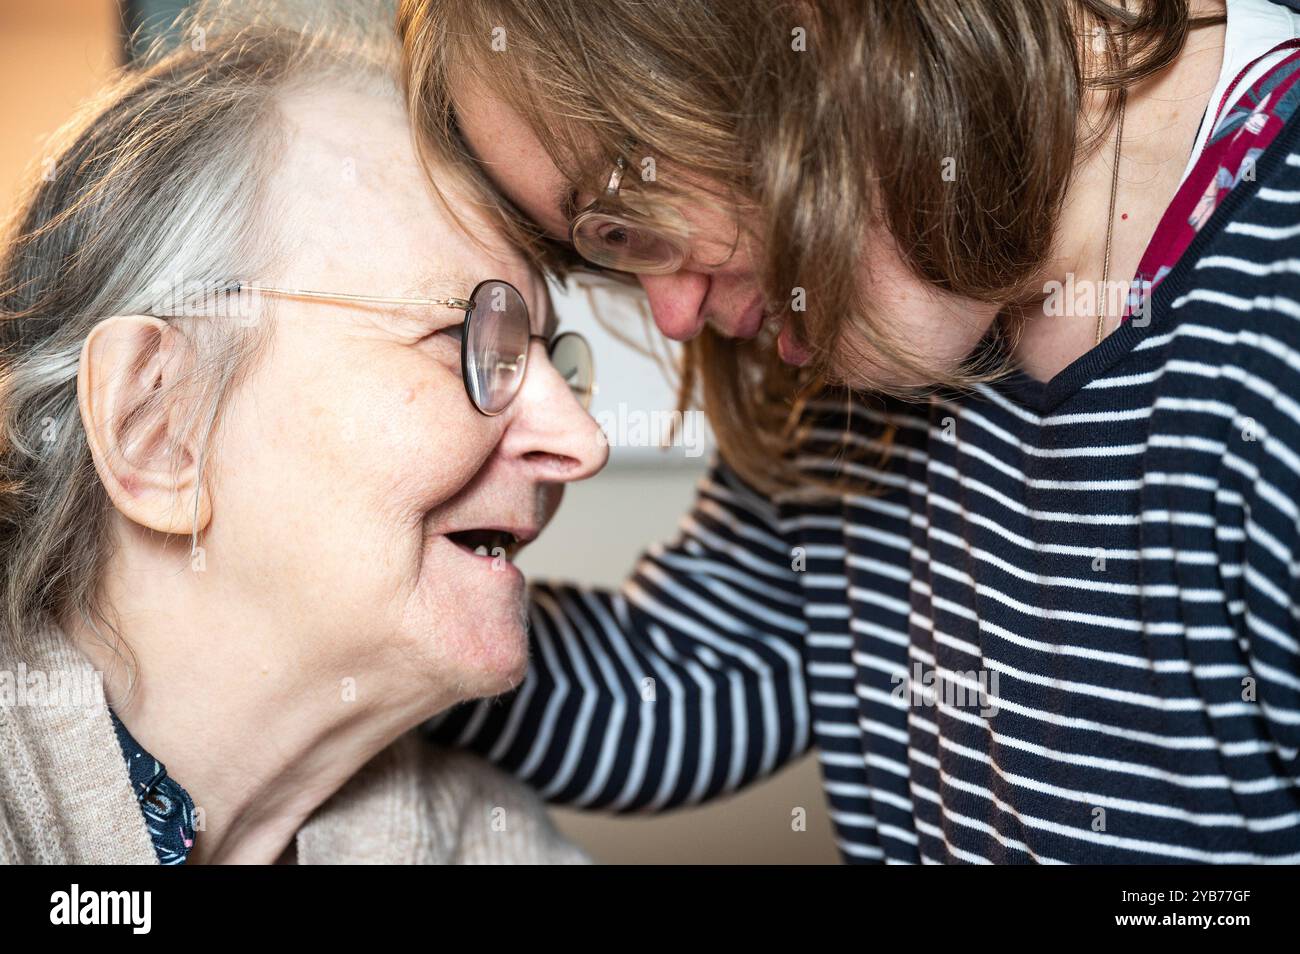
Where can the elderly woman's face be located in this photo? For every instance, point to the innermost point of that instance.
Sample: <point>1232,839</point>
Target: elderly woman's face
<point>351,457</point>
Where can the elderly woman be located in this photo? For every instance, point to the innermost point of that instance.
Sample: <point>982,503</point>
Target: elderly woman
<point>275,417</point>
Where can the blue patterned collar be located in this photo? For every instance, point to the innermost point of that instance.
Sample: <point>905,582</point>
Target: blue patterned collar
<point>168,809</point>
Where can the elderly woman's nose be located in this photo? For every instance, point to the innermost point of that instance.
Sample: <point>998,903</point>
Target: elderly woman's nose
<point>549,428</point>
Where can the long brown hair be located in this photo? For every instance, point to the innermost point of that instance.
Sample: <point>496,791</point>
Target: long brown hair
<point>809,119</point>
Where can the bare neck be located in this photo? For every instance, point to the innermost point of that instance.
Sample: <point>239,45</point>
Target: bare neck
<point>1163,114</point>
<point>257,737</point>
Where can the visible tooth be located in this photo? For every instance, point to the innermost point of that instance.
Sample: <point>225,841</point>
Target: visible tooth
<point>481,550</point>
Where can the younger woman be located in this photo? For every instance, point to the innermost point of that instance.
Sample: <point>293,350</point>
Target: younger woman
<point>994,307</point>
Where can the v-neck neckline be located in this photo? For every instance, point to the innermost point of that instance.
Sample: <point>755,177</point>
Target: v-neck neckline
<point>1044,396</point>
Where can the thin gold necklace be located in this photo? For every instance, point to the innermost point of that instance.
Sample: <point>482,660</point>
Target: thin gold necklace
<point>1104,295</point>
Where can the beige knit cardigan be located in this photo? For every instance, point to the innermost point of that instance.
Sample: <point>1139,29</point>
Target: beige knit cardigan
<point>66,798</point>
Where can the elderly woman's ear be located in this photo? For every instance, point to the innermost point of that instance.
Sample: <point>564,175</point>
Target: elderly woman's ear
<point>142,441</point>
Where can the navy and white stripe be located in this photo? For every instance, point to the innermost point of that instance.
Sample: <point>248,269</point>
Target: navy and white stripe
<point>1120,548</point>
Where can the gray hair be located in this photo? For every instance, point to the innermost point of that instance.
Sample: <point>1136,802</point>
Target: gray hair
<point>161,178</point>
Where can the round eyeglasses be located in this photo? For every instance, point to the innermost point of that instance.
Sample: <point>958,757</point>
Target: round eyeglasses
<point>494,349</point>
<point>494,342</point>
<point>613,233</point>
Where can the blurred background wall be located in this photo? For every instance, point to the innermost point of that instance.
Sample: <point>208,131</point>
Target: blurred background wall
<point>55,53</point>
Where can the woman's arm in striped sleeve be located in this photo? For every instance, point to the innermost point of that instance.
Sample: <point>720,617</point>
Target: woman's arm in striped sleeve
<point>685,684</point>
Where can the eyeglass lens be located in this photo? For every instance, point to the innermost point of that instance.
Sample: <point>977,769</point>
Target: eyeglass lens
<point>495,345</point>
<point>495,350</point>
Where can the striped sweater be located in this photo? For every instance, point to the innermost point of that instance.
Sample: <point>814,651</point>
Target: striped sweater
<point>1065,629</point>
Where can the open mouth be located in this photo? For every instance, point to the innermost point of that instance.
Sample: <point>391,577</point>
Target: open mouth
<point>487,542</point>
